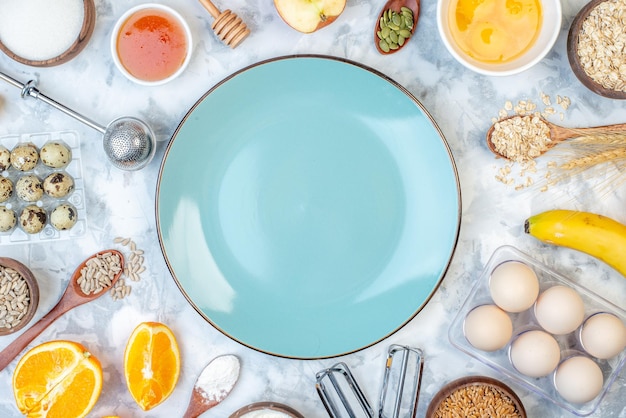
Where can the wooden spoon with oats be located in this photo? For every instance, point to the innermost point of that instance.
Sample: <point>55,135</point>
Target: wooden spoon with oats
<point>522,138</point>
<point>84,285</point>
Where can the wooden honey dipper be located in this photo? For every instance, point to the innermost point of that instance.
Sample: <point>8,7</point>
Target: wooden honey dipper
<point>227,25</point>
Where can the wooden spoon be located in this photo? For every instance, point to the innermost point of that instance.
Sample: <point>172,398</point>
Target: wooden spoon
<point>227,25</point>
<point>395,5</point>
<point>559,133</point>
<point>213,385</point>
<point>71,298</point>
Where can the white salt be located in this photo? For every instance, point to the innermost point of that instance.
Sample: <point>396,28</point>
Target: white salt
<point>40,29</point>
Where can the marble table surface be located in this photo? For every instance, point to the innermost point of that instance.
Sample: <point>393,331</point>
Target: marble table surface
<point>120,203</point>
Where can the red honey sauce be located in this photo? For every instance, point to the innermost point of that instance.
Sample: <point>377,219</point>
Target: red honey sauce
<point>152,45</point>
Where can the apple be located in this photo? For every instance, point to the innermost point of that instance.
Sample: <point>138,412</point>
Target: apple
<point>309,15</point>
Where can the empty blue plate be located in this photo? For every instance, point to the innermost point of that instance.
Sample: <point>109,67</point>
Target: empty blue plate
<point>308,206</point>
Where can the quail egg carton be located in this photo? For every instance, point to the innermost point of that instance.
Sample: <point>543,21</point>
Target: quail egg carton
<point>569,344</point>
<point>76,198</point>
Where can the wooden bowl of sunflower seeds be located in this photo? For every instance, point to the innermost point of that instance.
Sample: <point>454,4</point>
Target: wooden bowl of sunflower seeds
<point>595,47</point>
<point>476,396</point>
<point>19,295</point>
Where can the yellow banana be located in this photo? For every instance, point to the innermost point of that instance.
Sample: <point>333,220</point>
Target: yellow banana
<point>593,234</point>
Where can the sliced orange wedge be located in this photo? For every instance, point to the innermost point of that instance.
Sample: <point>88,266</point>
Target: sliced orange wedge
<point>57,379</point>
<point>151,364</point>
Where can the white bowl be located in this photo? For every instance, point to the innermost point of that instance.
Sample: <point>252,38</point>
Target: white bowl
<point>549,32</point>
<point>115,34</point>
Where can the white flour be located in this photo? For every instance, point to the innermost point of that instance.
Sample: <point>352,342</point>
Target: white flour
<point>40,29</point>
<point>218,378</point>
<point>265,413</point>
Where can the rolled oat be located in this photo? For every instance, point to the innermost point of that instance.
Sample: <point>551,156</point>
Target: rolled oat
<point>600,46</point>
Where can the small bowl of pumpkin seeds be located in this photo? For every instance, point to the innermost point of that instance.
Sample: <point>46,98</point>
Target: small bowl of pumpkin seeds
<point>395,25</point>
<point>19,296</point>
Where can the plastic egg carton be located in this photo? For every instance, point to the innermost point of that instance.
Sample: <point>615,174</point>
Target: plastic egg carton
<point>569,344</point>
<point>76,198</point>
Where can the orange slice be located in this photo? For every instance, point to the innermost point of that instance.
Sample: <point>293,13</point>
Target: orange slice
<point>57,379</point>
<point>151,364</point>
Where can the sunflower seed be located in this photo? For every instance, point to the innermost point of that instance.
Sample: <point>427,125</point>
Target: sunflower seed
<point>14,298</point>
<point>98,273</point>
<point>135,257</point>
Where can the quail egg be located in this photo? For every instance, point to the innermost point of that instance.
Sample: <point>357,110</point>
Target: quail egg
<point>6,189</point>
<point>55,154</point>
<point>29,188</point>
<point>24,157</point>
<point>7,219</point>
<point>58,184</point>
<point>5,158</point>
<point>33,219</point>
<point>63,217</point>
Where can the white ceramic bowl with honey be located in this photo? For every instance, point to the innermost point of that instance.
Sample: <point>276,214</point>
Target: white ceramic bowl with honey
<point>495,40</point>
<point>151,44</point>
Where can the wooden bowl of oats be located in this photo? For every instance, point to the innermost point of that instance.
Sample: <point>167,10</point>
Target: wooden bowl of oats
<point>595,48</point>
<point>476,396</point>
<point>19,295</point>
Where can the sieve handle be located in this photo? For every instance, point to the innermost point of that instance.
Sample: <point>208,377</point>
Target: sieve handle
<point>30,90</point>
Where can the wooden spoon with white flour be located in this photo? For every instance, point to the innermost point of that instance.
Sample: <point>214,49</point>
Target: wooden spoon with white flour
<point>213,385</point>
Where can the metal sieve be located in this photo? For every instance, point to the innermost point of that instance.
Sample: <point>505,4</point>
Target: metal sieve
<point>128,142</point>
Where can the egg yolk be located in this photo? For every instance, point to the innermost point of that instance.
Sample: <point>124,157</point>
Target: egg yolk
<point>152,45</point>
<point>495,31</point>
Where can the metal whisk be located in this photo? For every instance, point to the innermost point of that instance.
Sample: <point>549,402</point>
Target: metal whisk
<point>128,142</point>
<point>343,398</point>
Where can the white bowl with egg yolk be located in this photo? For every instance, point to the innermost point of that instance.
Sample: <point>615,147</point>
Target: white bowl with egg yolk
<point>488,39</point>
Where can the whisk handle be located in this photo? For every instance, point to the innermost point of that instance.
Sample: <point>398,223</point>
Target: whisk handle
<point>30,90</point>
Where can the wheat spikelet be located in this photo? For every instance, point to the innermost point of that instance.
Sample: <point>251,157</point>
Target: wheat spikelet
<point>609,155</point>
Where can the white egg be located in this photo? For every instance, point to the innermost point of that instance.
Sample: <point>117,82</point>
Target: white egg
<point>578,379</point>
<point>488,328</point>
<point>559,310</point>
<point>514,286</point>
<point>603,335</point>
<point>535,353</point>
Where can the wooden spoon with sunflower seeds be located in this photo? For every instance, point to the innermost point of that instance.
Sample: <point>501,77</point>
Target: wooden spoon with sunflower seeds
<point>75,295</point>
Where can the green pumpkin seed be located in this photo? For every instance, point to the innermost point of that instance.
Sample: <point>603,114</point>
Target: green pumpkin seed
<point>395,28</point>
<point>383,45</point>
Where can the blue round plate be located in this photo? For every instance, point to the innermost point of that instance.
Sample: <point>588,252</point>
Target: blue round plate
<point>308,206</point>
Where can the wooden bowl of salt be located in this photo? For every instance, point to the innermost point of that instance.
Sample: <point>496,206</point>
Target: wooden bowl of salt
<point>45,33</point>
